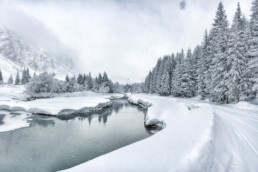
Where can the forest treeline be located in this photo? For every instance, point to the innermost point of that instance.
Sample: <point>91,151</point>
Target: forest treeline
<point>224,68</point>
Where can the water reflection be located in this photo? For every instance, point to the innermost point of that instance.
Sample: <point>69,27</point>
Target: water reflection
<point>117,105</point>
<point>41,121</point>
<point>1,119</point>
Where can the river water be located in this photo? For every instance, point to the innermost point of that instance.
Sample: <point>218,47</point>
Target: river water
<point>52,144</point>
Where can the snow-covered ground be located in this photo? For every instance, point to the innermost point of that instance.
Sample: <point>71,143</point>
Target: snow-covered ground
<point>199,136</point>
<point>12,98</point>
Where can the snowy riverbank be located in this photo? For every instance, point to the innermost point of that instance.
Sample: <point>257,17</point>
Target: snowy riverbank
<point>173,148</point>
<point>199,136</point>
<point>13,99</point>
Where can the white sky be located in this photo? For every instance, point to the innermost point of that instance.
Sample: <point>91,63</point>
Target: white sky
<point>123,38</point>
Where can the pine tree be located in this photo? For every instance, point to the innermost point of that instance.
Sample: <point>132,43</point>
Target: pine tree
<point>23,80</point>
<point>105,77</point>
<point>99,79</point>
<point>176,84</point>
<point>157,77</point>
<point>194,59</point>
<point>80,79</point>
<point>252,71</point>
<point>90,82</point>
<point>27,75</point>
<point>187,86</point>
<point>164,78</point>
<point>148,83</point>
<point>10,79</point>
<point>1,77</point>
<point>236,56</point>
<point>17,79</point>
<point>219,62</point>
<point>203,67</point>
<point>66,78</point>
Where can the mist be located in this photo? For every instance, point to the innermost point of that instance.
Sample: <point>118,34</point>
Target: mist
<point>123,38</point>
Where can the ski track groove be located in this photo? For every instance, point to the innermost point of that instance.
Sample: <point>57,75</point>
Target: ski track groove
<point>238,132</point>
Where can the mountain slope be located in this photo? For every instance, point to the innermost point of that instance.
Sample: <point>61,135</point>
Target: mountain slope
<point>15,55</point>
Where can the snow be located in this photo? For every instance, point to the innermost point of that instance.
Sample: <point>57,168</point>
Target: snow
<point>199,136</point>
<point>16,54</point>
<point>11,99</point>
<point>9,92</point>
<point>12,121</point>
<point>173,148</point>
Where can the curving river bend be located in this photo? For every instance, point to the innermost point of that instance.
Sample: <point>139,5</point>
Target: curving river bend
<point>51,144</point>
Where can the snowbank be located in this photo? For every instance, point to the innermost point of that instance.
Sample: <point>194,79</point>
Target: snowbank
<point>67,103</point>
<point>58,105</point>
<point>172,149</point>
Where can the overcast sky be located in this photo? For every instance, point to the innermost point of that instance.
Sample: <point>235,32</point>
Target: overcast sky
<point>123,38</point>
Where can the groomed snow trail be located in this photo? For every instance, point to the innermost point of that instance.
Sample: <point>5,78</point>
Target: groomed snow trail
<point>235,139</point>
<point>234,143</point>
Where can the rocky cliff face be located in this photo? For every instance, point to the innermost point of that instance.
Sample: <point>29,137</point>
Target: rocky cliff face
<point>16,54</point>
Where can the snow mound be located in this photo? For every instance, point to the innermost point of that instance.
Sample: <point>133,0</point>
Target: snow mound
<point>139,102</point>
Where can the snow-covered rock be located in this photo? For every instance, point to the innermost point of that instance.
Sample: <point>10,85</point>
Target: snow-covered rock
<point>139,102</point>
<point>117,96</point>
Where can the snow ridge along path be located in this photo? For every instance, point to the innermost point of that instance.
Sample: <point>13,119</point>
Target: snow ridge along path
<point>199,136</point>
<point>234,143</point>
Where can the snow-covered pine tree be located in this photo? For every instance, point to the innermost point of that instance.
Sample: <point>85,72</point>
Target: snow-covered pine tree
<point>17,79</point>
<point>156,76</point>
<point>10,79</point>
<point>195,58</point>
<point>147,83</point>
<point>1,77</point>
<point>100,79</point>
<point>210,55</point>
<point>219,66</point>
<point>186,83</point>
<point>105,77</point>
<point>23,80</point>
<point>252,71</point>
<point>203,67</point>
<point>159,81</point>
<point>165,76</point>
<point>66,78</point>
<point>176,88</point>
<point>172,66</point>
<point>80,79</point>
<point>90,82</point>
<point>236,60</point>
<point>27,75</point>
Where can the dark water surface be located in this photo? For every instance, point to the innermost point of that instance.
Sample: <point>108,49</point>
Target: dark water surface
<point>51,144</point>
